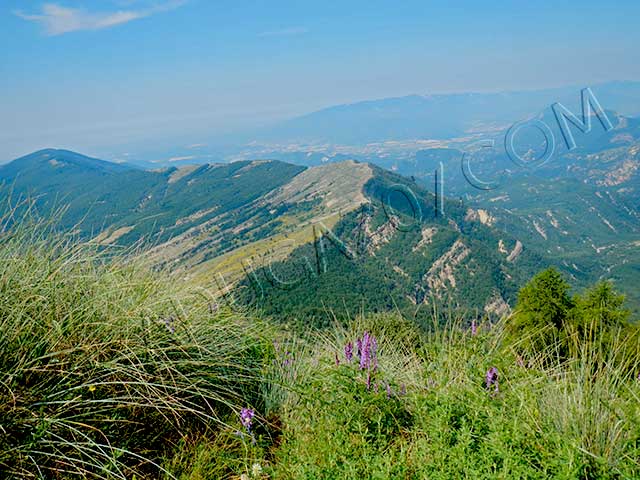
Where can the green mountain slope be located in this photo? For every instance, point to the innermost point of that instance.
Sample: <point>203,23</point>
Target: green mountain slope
<point>385,256</point>
<point>341,237</point>
<point>120,205</point>
<point>592,231</point>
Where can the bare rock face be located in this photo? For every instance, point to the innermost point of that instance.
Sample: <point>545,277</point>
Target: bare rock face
<point>515,253</point>
<point>621,174</point>
<point>380,236</point>
<point>480,215</point>
<point>441,273</point>
<point>540,229</point>
<point>427,235</point>
<point>370,240</point>
<point>497,306</point>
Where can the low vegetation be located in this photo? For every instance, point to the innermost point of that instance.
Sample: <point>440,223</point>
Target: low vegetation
<point>111,371</point>
<point>105,368</point>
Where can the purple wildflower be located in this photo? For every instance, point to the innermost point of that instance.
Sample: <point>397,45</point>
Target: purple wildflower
<point>388,390</point>
<point>474,327</point>
<point>403,389</point>
<point>491,379</point>
<point>288,359</point>
<point>368,380</point>
<point>348,351</point>
<point>337,360</point>
<point>168,322</point>
<point>246,418</point>
<point>368,352</point>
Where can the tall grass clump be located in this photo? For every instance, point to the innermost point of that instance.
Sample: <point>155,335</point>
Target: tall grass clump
<point>105,367</point>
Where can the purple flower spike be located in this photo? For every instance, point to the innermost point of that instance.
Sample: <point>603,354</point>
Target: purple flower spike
<point>374,352</point>
<point>348,351</point>
<point>388,390</point>
<point>246,418</point>
<point>491,379</point>
<point>363,350</point>
<point>474,327</point>
<point>337,360</point>
<point>368,347</point>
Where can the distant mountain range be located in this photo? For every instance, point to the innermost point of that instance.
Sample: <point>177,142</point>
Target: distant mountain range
<point>383,131</point>
<point>443,116</point>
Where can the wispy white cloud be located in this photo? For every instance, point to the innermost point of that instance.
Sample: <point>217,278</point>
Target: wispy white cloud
<point>182,159</point>
<point>57,19</point>
<point>285,32</point>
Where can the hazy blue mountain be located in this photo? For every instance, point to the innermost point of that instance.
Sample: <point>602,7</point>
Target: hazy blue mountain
<point>441,116</point>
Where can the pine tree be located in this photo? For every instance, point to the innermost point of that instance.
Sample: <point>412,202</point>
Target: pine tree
<point>543,307</point>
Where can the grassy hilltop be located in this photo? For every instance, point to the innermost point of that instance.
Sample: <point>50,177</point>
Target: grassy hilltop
<point>111,371</point>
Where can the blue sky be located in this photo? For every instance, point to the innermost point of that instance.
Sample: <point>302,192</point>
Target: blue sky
<point>105,75</point>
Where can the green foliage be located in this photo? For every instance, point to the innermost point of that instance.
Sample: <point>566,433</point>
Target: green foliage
<point>340,421</point>
<point>105,367</point>
<point>109,371</point>
<point>542,310</point>
<point>551,419</point>
<point>390,275</point>
<point>577,218</point>
<point>100,195</point>
<point>601,305</point>
<point>548,317</point>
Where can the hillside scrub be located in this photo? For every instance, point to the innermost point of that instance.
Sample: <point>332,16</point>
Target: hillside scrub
<point>548,319</point>
<point>110,370</point>
<point>104,367</point>
<point>383,399</point>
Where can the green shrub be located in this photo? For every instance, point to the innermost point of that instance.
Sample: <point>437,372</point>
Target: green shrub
<point>541,313</point>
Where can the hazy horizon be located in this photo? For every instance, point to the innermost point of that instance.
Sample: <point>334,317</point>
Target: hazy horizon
<point>115,76</point>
